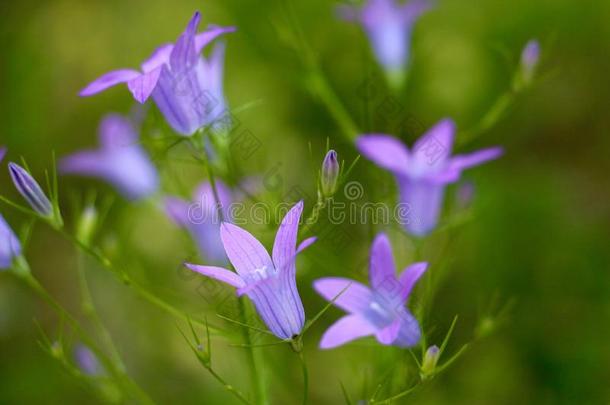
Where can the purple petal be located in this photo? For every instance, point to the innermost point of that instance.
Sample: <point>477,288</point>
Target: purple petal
<point>218,273</point>
<point>108,80</point>
<point>205,197</point>
<point>423,201</point>
<point>413,9</point>
<point>388,334</point>
<point>346,329</point>
<point>409,332</point>
<point>356,298</point>
<point>382,272</point>
<point>142,86</point>
<point>284,247</point>
<point>159,57</point>
<point>244,251</point>
<point>204,38</point>
<point>461,162</point>
<point>431,151</point>
<point>2,153</point>
<point>409,277</point>
<point>183,54</point>
<point>386,151</point>
<point>177,210</point>
<point>116,131</point>
<point>30,190</point>
<point>9,245</point>
<point>306,243</point>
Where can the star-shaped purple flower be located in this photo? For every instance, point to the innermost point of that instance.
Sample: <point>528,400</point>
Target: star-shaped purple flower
<point>379,310</point>
<point>186,87</point>
<point>423,173</point>
<point>120,160</point>
<point>269,282</point>
<point>201,218</point>
<point>388,25</point>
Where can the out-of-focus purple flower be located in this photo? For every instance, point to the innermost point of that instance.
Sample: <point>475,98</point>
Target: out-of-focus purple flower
<point>330,174</point>
<point>465,194</point>
<point>120,160</point>
<point>388,25</point>
<point>269,282</point>
<point>30,190</point>
<point>379,310</point>
<point>202,219</point>
<point>86,360</point>
<point>186,87</point>
<point>10,247</point>
<point>529,59</point>
<point>423,173</point>
<point>2,152</point>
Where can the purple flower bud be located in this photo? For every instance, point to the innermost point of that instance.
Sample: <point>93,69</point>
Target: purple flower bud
<point>428,365</point>
<point>30,190</point>
<point>86,360</point>
<point>530,57</point>
<point>9,245</point>
<point>330,174</point>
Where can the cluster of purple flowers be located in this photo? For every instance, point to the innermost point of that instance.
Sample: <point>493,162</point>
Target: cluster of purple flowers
<point>187,89</point>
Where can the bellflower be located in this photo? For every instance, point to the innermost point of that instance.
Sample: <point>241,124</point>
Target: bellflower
<point>30,190</point>
<point>186,87</point>
<point>201,218</point>
<point>379,310</point>
<point>10,247</point>
<point>270,282</point>
<point>423,173</point>
<point>388,25</point>
<point>120,160</point>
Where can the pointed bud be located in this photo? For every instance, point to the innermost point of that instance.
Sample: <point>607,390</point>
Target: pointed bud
<point>529,60</point>
<point>428,365</point>
<point>330,174</point>
<point>203,355</point>
<point>30,190</point>
<point>86,225</point>
<point>10,248</point>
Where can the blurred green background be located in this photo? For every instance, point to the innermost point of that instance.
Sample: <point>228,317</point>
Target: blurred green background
<point>538,233</point>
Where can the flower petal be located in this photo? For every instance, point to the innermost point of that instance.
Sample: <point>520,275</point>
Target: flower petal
<point>409,332</point>
<point>306,243</point>
<point>423,200</point>
<point>461,162</point>
<point>142,86</point>
<point>108,80</point>
<point>177,210</point>
<point>382,271</point>
<point>386,151</point>
<point>204,38</point>
<point>284,247</point>
<point>409,277</point>
<point>218,273</point>
<point>245,252</point>
<point>346,329</point>
<point>388,334</point>
<point>160,56</point>
<point>2,153</point>
<point>9,245</point>
<point>355,297</point>
<point>183,54</point>
<point>432,150</point>
<point>116,132</point>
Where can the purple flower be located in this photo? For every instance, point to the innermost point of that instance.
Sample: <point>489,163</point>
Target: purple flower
<point>388,26</point>
<point>2,153</point>
<point>422,173</point>
<point>10,247</point>
<point>86,360</point>
<point>120,160</point>
<point>529,59</point>
<point>269,283</point>
<point>201,218</point>
<point>30,190</point>
<point>378,310</point>
<point>185,86</point>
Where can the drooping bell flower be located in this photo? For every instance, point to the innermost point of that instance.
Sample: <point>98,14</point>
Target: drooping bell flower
<point>30,190</point>
<point>269,281</point>
<point>120,160</point>
<point>202,218</point>
<point>422,173</point>
<point>10,247</point>
<point>388,25</point>
<point>379,310</point>
<point>186,87</point>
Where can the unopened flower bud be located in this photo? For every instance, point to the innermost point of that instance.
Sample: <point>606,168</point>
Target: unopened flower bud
<point>86,225</point>
<point>530,57</point>
<point>30,190</point>
<point>330,174</point>
<point>428,365</point>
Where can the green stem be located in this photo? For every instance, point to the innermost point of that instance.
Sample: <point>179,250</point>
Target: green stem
<point>256,369</point>
<point>305,377</point>
<point>228,386</point>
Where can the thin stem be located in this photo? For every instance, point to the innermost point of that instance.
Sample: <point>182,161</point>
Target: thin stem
<point>228,386</point>
<point>256,375</point>
<point>305,377</point>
